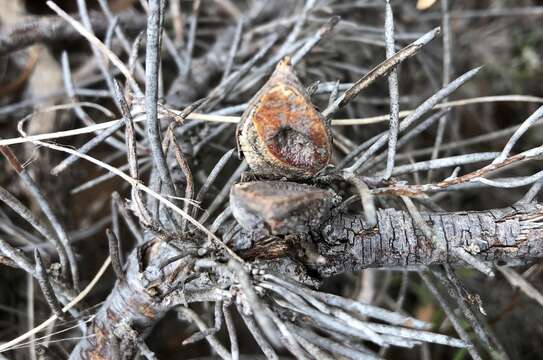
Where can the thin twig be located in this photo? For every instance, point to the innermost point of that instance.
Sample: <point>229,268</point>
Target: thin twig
<point>446,77</point>
<point>114,253</point>
<point>538,114</point>
<point>152,61</point>
<point>234,119</point>
<point>451,316</point>
<point>93,40</point>
<point>211,339</point>
<point>426,106</point>
<point>393,93</point>
<point>191,37</point>
<point>8,345</point>
<point>47,288</point>
<point>58,228</point>
<point>517,280</point>
<point>232,335</point>
<point>378,71</point>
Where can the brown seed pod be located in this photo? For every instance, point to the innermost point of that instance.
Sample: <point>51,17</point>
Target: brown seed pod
<point>280,207</point>
<point>281,132</point>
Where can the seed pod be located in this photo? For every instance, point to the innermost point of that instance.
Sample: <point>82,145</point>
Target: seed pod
<point>281,132</point>
<point>280,207</point>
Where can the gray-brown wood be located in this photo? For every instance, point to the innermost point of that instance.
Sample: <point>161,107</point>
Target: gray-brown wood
<point>510,235</point>
<point>505,235</point>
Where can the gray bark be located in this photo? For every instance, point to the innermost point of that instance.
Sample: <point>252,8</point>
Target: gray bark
<point>138,302</point>
<point>509,235</point>
<point>135,305</point>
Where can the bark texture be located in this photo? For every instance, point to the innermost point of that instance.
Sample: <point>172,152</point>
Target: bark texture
<point>508,235</point>
<point>345,242</point>
<point>136,304</point>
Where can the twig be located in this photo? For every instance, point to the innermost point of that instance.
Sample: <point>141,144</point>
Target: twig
<point>191,37</point>
<point>451,316</point>
<point>25,213</point>
<point>234,119</point>
<point>517,280</point>
<point>313,350</point>
<point>93,40</point>
<point>102,65</point>
<point>119,33</point>
<point>232,335</point>
<point>446,77</point>
<point>454,286</point>
<point>18,257</point>
<point>33,188</point>
<point>219,199</point>
<point>233,50</point>
<point>436,240</point>
<point>152,60</point>
<point>334,347</point>
<point>184,166</point>
<point>264,345</point>
<point>474,176</point>
<point>427,105</point>
<point>298,25</point>
<point>81,114</point>
<point>365,197</point>
<point>147,190</point>
<point>393,93</point>
<point>532,193</point>
<point>211,339</point>
<point>401,142</point>
<point>362,309</point>
<point>211,178</point>
<point>473,261</point>
<point>380,70</point>
<point>538,114</point>
<point>31,314</point>
<point>315,39</point>
<point>444,162</point>
<point>47,288</point>
<point>114,253</point>
<point>52,29</point>
<point>132,226</point>
<point>8,345</point>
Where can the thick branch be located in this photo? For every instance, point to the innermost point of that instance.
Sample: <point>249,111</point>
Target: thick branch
<point>507,235</point>
<point>139,301</point>
<point>155,272</point>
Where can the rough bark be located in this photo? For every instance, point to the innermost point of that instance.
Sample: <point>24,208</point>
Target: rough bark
<point>506,235</point>
<point>347,244</point>
<point>136,304</point>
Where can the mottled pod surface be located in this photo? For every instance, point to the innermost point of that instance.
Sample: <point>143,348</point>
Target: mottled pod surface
<point>281,132</point>
<point>280,207</point>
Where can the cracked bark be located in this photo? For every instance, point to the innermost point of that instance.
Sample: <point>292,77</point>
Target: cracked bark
<point>138,302</point>
<point>509,235</point>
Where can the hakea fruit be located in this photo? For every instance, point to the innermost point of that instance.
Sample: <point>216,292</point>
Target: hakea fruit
<point>280,207</point>
<point>281,132</point>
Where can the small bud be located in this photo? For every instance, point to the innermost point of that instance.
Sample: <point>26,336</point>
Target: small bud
<point>280,207</point>
<point>281,132</point>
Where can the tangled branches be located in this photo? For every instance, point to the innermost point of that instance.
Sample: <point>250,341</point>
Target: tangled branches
<point>229,246</point>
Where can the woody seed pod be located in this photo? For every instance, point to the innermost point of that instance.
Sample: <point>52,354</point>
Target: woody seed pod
<point>280,207</point>
<point>281,132</point>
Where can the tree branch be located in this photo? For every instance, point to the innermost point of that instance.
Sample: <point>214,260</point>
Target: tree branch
<point>509,235</point>
<point>155,282</point>
<point>50,29</point>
